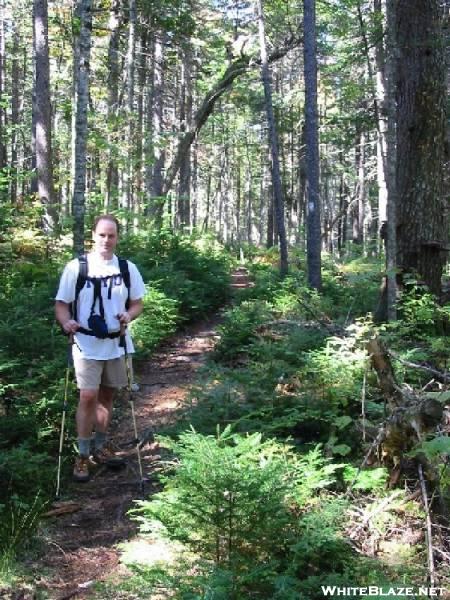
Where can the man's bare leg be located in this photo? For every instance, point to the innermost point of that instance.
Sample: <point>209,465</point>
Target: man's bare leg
<point>104,408</point>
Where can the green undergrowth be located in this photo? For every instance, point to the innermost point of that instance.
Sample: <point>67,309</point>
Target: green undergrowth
<point>262,492</point>
<point>187,277</point>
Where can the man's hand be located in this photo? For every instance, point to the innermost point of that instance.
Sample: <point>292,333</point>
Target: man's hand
<point>62,313</point>
<point>70,326</point>
<point>124,318</point>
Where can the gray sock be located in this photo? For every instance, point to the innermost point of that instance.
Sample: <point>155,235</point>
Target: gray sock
<point>84,446</point>
<point>100,439</point>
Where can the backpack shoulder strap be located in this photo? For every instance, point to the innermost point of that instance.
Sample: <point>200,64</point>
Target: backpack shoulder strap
<point>125,272</point>
<point>81,280</point>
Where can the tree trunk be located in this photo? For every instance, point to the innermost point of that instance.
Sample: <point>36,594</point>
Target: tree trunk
<point>312,147</point>
<point>15,114</point>
<point>274,145</point>
<point>42,107</point>
<point>195,186</point>
<point>3,156</point>
<point>238,188</point>
<point>112,174</point>
<point>184,188</point>
<point>380,61</point>
<point>127,190</point>
<point>360,205</point>
<point>422,220</point>
<point>140,133</point>
<point>157,177</point>
<point>83,43</point>
<point>391,167</point>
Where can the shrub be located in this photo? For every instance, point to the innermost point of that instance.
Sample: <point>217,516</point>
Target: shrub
<point>193,270</point>
<point>239,330</point>
<point>158,320</point>
<point>234,501</point>
<point>227,501</point>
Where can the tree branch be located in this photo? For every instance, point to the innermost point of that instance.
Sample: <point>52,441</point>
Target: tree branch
<point>206,107</point>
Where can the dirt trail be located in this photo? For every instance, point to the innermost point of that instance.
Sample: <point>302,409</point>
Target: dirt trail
<point>82,545</point>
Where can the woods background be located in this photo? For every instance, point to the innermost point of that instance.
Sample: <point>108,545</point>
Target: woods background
<point>157,110</point>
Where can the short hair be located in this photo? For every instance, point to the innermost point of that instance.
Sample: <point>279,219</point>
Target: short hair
<point>106,217</point>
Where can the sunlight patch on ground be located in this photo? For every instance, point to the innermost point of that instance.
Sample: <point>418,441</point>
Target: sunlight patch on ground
<point>149,551</point>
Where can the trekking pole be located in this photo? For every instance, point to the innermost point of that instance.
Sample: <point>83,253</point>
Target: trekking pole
<point>133,414</point>
<point>63,417</point>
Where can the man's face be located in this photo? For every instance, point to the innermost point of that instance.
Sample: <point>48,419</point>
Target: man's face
<point>105,238</point>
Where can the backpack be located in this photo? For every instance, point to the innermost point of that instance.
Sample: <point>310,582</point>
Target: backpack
<point>96,322</point>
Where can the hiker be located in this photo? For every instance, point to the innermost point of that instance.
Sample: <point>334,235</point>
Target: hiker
<point>98,296</point>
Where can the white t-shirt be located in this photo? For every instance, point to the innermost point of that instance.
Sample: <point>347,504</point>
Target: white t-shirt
<point>90,346</point>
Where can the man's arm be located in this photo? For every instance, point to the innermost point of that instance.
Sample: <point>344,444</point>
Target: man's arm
<point>64,318</point>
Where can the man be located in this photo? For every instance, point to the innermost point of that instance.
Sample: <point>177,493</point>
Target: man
<point>97,316</point>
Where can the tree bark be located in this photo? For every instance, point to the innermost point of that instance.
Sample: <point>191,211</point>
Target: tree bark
<point>112,174</point>
<point>42,107</point>
<point>274,145</point>
<point>81,66</point>
<point>3,156</point>
<point>127,191</point>
<point>157,178</point>
<point>360,204</point>
<point>422,217</point>
<point>15,116</point>
<point>380,87</point>
<point>140,133</point>
<point>312,147</point>
<point>184,188</point>
<point>390,110</point>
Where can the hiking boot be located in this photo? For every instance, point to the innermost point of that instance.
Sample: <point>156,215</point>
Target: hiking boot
<point>81,469</point>
<point>107,456</point>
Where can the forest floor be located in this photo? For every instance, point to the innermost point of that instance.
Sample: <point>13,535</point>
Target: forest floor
<point>83,545</point>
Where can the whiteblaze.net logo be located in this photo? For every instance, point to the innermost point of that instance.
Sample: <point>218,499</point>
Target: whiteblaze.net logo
<point>374,590</point>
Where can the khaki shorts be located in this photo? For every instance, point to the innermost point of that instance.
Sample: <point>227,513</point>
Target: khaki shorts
<point>90,374</point>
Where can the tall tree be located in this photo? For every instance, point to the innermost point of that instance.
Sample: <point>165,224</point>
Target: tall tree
<point>422,219</point>
<point>390,161</point>
<point>184,189</point>
<point>274,145</point>
<point>312,146</point>
<point>43,118</point>
<point>380,87</point>
<point>112,175</point>
<point>81,67</point>
<point>156,179</point>
<point>129,142</point>
<point>2,79</point>
<point>15,112</point>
